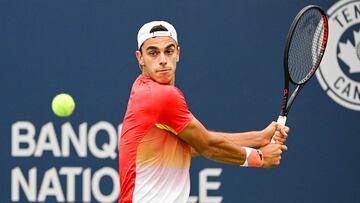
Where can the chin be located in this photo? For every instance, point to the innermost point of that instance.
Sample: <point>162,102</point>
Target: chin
<point>164,81</point>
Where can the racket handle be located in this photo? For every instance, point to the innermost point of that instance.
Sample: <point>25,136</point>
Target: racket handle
<point>281,120</point>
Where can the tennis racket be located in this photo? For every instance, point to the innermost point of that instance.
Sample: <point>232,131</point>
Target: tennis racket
<point>304,49</point>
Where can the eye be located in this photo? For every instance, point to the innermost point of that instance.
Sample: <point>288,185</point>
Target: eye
<point>152,53</point>
<point>169,51</point>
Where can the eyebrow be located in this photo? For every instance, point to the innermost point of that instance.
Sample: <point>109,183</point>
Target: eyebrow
<point>170,46</point>
<point>157,48</point>
<point>152,47</point>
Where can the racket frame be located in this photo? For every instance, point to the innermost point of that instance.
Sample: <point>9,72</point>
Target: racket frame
<point>286,101</point>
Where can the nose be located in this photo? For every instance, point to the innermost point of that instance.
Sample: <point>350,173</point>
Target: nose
<point>162,59</point>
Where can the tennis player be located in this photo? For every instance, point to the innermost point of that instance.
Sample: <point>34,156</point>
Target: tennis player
<point>160,134</point>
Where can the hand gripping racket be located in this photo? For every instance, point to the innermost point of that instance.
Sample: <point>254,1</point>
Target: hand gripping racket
<point>304,49</point>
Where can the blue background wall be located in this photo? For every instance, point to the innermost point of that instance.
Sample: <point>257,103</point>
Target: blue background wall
<point>230,72</point>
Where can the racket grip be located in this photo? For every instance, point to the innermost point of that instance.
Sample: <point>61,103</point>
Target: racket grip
<point>281,120</point>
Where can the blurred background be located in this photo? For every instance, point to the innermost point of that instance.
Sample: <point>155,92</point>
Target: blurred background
<point>230,71</point>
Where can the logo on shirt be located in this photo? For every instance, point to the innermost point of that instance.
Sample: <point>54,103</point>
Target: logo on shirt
<point>339,71</point>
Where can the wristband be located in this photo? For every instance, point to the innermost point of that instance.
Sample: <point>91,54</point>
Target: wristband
<point>254,158</point>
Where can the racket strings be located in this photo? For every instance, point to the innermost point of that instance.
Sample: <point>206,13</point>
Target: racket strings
<point>305,50</point>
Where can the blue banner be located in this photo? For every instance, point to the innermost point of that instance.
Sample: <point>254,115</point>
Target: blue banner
<point>230,71</point>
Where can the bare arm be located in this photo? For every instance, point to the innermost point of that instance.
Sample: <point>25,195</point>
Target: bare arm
<point>210,145</point>
<point>219,147</point>
<point>255,139</point>
<point>258,139</point>
<point>249,139</point>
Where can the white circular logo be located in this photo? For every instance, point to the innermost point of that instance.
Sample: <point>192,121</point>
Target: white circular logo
<point>339,71</point>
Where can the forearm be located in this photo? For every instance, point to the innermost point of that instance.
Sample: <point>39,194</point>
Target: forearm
<point>224,151</point>
<point>248,139</point>
<point>216,146</point>
<point>231,148</point>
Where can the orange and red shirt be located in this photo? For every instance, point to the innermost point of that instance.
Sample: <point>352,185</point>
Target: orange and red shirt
<point>153,162</point>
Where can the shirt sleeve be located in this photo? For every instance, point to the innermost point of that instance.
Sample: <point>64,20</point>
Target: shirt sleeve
<point>172,111</point>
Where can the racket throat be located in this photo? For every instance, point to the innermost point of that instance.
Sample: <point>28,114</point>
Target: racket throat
<point>287,103</point>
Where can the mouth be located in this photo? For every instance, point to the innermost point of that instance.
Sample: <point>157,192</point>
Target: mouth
<point>163,70</point>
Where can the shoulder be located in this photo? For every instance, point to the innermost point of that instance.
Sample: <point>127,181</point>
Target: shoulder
<point>167,93</point>
<point>151,93</point>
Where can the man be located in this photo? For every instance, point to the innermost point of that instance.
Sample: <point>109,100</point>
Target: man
<point>159,133</point>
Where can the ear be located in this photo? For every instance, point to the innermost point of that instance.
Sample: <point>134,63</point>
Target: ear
<point>140,58</point>
<point>178,56</point>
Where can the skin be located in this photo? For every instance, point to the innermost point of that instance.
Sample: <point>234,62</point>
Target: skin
<point>157,59</point>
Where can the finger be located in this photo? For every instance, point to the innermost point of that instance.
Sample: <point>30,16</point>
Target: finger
<point>284,148</point>
<point>279,141</point>
<point>280,138</point>
<point>282,134</point>
<point>287,129</point>
<point>284,131</point>
<point>277,162</point>
<point>279,126</point>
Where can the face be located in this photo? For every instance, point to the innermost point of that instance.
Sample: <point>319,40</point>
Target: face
<point>158,59</point>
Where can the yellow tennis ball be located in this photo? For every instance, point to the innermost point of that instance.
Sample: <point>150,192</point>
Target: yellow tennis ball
<point>63,105</point>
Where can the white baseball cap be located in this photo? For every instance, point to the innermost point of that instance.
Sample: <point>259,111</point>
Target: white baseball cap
<point>144,32</point>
